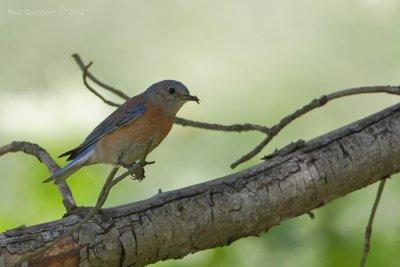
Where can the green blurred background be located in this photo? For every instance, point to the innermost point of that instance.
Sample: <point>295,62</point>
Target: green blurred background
<point>249,61</point>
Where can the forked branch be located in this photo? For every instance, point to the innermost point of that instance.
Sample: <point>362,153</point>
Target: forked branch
<point>314,104</point>
<point>109,183</point>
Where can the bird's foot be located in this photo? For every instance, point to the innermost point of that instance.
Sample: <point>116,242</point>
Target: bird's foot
<point>81,211</point>
<point>138,172</point>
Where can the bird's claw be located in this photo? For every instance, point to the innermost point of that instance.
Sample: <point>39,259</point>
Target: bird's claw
<point>138,172</point>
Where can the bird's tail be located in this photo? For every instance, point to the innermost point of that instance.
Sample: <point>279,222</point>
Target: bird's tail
<point>73,166</point>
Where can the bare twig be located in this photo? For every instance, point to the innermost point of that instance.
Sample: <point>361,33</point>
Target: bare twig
<point>106,184</point>
<point>316,103</point>
<point>42,156</point>
<point>368,230</point>
<point>85,74</point>
<point>180,121</point>
<point>109,183</point>
<point>97,81</point>
<point>225,128</point>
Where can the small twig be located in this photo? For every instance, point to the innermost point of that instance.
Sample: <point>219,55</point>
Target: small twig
<point>368,230</point>
<point>84,77</point>
<point>106,184</point>
<point>109,183</point>
<point>316,103</point>
<point>97,81</point>
<point>225,128</point>
<point>180,121</point>
<point>52,166</point>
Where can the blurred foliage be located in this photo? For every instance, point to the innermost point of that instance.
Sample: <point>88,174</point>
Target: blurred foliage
<point>249,61</point>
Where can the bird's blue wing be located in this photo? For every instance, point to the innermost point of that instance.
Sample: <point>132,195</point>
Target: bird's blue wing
<point>118,118</point>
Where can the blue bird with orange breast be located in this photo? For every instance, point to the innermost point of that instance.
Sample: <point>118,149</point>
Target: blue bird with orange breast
<point>121,138</point>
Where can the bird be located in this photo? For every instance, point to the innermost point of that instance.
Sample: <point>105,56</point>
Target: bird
<point>121,138</point>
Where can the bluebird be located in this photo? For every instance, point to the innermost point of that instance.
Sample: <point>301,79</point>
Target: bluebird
<point>121,139</point>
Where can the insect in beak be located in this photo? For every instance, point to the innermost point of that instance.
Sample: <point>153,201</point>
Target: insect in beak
<point>191,98</point>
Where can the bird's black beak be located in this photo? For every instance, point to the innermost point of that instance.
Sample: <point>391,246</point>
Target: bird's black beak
<point>191,98</point>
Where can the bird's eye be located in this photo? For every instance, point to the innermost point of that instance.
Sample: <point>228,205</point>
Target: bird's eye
<point>171,90</point>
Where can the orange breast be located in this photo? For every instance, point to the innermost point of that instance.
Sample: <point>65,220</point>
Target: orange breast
<point>130,140</point>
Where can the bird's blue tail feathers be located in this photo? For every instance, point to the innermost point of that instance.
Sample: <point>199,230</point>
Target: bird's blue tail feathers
<point>73,166</point>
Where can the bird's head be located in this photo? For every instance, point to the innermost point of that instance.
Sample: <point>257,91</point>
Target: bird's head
<point>170,94</point>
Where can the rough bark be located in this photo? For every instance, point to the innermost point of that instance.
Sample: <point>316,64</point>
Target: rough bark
<point>170,225</point>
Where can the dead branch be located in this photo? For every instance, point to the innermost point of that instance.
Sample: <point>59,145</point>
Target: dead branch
<point>173,224</point>
<point>113,90</point>
<point>110,183</point>
<point>316,103</point>
<point>368,230</point>
<point>85,74</point>
<point>42,156</point>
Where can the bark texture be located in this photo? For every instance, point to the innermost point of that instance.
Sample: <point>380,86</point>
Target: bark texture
<point>291,182</point>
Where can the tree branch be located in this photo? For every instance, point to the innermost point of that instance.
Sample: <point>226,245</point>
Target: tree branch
<point>85,74</point>
<point>368,230</point>
<point>42,156</point>
<point>117,92</point>
<point>173,224</point>
<point>110,183</point>
<point>314,104</point>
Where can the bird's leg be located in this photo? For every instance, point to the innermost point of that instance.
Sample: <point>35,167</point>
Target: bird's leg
<point>126,165</point>
<point>137,168</point>
<point>123,164</point>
